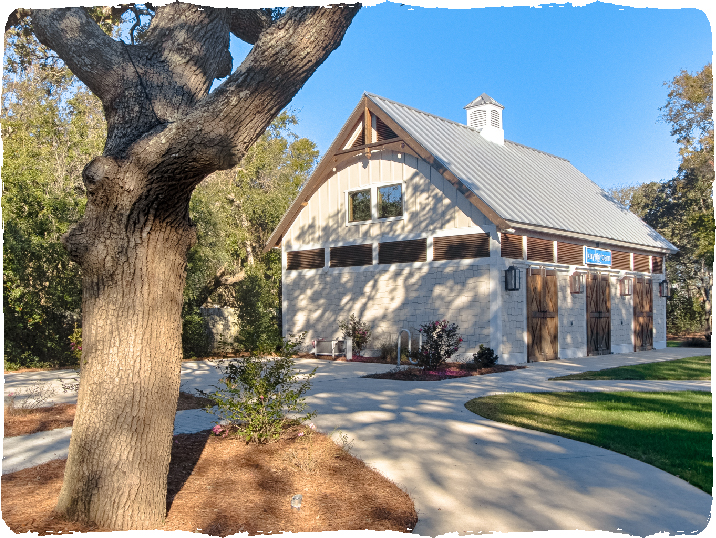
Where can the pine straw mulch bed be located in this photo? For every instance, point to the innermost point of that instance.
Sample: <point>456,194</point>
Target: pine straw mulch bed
<point>222,486</point>
<point>25,421</point>
<point>450,370</point>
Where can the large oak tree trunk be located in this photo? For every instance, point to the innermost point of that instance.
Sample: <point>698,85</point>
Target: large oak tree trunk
<point>165,134</point>
<point>133,273</point>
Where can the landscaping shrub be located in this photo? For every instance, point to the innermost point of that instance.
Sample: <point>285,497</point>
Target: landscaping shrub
<point>194,338</point>
<point>485,357</point>
<point>358,330</point>
<point>256,394</point>
<point>441,341</point>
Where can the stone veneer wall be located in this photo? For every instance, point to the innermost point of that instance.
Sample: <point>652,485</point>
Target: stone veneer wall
<point>659,307</point>
<point>514,321</point>
<point>390,298</point>
<point>572,308</point>
<point>622,318</point>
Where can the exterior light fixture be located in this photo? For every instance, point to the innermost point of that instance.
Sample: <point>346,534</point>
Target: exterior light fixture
<point>576,282</point>
<point>512,278</point>
<point>626,286</point>
<point>664,289</point>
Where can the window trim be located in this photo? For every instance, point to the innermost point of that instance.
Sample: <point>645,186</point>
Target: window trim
<point>373,187</point>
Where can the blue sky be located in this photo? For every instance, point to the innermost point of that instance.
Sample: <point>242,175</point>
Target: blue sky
<point>583,83</point>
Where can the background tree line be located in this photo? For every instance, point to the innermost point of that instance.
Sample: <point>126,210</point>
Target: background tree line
<point>52,126</point>
<point>681,208</point>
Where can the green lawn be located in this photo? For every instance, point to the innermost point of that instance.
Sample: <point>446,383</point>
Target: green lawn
<point>680,369</point>
<point>669,430</point>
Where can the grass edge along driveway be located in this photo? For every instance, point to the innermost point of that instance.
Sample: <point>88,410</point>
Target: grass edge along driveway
<point>669,430</point>
<point>689,368</point>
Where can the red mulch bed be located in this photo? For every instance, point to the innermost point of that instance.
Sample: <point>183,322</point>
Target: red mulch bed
<point>450,370</point>
<point>222,486</point>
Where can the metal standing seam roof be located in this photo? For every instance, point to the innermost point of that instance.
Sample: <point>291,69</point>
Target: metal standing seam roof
<point>521,184</point>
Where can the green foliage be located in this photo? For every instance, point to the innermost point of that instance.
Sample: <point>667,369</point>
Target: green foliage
<point>358,330</point>
<point>194,338</point>
<point>235,212</point>
<point>681,209</point>
<point>485,357</point>
<point>669,430</point>
<point>441,341</point>
<point>51,127</point>
<point>256,394</point>
<point>76,344</point>
<point>259,328</point>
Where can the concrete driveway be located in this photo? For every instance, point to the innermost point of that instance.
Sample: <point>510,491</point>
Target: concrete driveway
<point>471,475</point>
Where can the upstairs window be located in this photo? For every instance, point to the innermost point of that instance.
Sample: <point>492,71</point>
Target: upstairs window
<point>359,206</point>
<point>390,201</point>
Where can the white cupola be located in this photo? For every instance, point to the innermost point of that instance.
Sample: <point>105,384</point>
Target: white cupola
<point>485,115</point>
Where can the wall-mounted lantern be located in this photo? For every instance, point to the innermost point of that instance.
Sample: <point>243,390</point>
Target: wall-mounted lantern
<point>576,282</point>
<point>626,286</point>
<point>664,289</point>
<point>512,278</point>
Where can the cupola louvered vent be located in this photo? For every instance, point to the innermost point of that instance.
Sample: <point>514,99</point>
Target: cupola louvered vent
<point>306,259</point>
<point>352,256</point>
<point>384,132</point>
<point>511,246</point>
<point>461,247</point>
<point>403,251</point>
<point>495,119</point>
<point>478,118</point>
<point>621,260</point>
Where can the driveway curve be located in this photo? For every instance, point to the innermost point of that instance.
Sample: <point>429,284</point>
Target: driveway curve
<point>468,474</point>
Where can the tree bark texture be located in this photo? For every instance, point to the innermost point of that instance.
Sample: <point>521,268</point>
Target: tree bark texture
<point>165,134</point>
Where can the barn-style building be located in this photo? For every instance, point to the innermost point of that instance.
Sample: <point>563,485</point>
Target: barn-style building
<point>410,217</point>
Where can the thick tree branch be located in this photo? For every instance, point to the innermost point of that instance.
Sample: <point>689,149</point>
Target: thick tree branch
<point>219,280</point>
<point>249,24</point>
<point>94,57</point>
<point>17,16</point>
<point>218,131</point>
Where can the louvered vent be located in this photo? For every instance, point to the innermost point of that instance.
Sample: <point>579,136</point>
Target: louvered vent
<point>570,254</point>
<point>657,264</point>
<point>495,118</point>
<point>478,118</point>
<point>461,247</point>
<point>641,263</point>
<point>540,250</point>
<point>403,251</point>
<point>306,259</point>
<point>351,255</point>
<point>360,141</point>
<point>511,246</point>
<point>621,260</point>
<point>384,132</point>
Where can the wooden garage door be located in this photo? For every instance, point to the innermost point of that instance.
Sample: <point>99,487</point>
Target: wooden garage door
<point>599,320</point>
<point>643,315</point>
<point>541,315</point>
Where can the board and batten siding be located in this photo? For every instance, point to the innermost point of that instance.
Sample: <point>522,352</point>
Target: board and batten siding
<point>431,203</point>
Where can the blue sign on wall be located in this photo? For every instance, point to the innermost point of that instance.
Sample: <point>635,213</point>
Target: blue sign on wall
<point>598,256</point>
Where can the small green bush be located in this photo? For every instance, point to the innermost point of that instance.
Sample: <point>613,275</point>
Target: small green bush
<point>441,341</point>
<point>194,338</point>
<point>358,330</point>
<point>485,357</point>
<point>256,394</point>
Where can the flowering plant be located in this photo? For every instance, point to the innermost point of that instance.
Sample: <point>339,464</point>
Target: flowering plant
<point>356,329</point>
<point>76,343</point>
<point>441,341</point>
